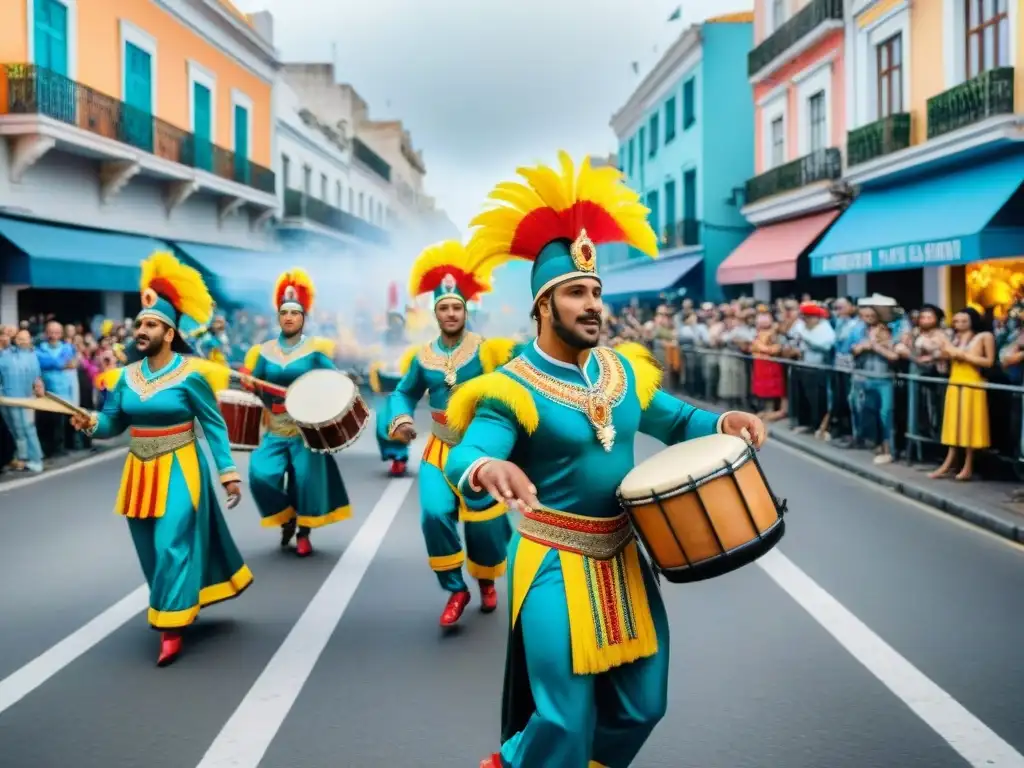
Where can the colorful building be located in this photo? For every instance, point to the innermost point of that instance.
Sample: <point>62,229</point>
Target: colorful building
<point>128,126</point>
<point>685,144</point>
<point>935,154</point>
<point>798,71</point>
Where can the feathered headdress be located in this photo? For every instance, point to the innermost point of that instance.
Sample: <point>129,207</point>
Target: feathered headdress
<point>294,290</point>
<point>556,219</point>
<point>449,270</point>
<point>171,290</point>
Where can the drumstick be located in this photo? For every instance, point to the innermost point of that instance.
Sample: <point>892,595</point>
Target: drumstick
<point>73,410</point>
<point>266,386</point>
<point>35,404</point>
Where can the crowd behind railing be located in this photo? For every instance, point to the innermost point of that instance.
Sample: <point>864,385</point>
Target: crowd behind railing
<point>861,375</point>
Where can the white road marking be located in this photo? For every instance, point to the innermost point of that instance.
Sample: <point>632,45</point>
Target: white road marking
<point>92,461</point>
<point>247,735</point>
<point>972,739</point>
<point>19,684</point>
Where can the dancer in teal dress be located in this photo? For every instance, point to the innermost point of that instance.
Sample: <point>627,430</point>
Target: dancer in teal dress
<point>552,433</point>
<point>436,369</point>
<point>167,491</point>
<point>382,383</point>
<point>293,487</point>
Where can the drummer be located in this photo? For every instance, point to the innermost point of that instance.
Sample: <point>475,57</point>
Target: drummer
<point>456,356</point>
<point>381,381</point>
<point>293,487</point>
<point>586,615</point>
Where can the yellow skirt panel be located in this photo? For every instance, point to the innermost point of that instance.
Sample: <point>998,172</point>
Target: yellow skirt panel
<point>609,616</point>
<point>145,484</point>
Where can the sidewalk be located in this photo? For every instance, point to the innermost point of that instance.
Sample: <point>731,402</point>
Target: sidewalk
<point>69,459</point>
<point>981,502</point>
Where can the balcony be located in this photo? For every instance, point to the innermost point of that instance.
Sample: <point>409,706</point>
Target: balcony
<point>877,139</point>
<point>822,165</point>
<point>298,205</point>
<point>818,16</point>
<point>371,160</point>
<point>40,109</point>
<point>990,94</point>
<point>682,234</point>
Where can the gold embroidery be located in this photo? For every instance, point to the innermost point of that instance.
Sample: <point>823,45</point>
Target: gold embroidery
<point>146,388</point>
<point>449,364</point>
<point>272,351</point>
<point>596,402</point>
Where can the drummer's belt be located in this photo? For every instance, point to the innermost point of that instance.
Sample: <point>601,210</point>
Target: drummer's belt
<point>610,618</point>
<point>440,429</point>
<point>279,423</point>
<point>145,481</point>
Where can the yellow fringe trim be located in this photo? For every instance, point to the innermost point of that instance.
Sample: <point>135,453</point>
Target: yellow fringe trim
<point>468,515</point>
<point>492,386</point>
<point>145,484</point>
<point>646,370</point>
<point>407,357</point>
<point>337,515</point>
<point>447,562</point>
<point>282,517</point>
<point>587,616</point>
<point>215,593</point>
<point>494,353</point>
<point>487,572</point>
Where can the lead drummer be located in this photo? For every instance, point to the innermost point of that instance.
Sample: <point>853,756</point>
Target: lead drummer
<point>293,487</point>
<point>552,432</point>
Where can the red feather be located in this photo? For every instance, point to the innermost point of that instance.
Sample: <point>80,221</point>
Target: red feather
<point>165,288</point>
<point>467,284</point>
<point>546,225</point>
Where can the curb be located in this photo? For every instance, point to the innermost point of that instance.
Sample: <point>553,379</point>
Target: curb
<point>975,515</point>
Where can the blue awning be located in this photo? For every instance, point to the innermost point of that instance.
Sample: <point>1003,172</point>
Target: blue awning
<point>935,221</point>
<point>69,258</point>
<point>647,278</point>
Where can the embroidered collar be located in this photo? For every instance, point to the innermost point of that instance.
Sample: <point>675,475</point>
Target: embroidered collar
<point>145,385</point>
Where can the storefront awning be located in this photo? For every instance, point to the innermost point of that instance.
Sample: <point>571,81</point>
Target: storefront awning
<point>771,252</point>
<point>648,278</point>
<point>934,221</point>
<point>68,258</point>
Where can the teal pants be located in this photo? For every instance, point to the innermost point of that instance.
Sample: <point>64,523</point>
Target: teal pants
<point>486,542</point>
<point>314,495</point>
<point>578,718</point>
<point>390,450</point>
<point>187,555</point>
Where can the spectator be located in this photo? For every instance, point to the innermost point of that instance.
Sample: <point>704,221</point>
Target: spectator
<point>20,376</point>
<point>815,339</point>
<point>872,395</point>
<point>768,376</point>
<point>59,364</point>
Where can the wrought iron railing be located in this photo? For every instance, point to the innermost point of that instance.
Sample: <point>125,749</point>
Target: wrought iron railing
<point>371,159</point>
<point>822,165</point>
<point>882,137</point>
<point>809,18</point>
<point>299,205</point>
<point>987,95</point>
<point>27,89</point>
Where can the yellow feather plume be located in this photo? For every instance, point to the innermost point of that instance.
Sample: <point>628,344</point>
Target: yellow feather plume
<point>192,296</point>
<point>497,237</point>
<point>434,261</point>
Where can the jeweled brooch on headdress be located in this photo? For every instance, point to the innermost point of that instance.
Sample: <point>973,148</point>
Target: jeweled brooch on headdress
<point>448,283</point>
<point>149,298</point>
<point>584,253</point>
<point>290,294</point>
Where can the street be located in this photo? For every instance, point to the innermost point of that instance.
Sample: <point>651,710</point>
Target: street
<point>878,634</point>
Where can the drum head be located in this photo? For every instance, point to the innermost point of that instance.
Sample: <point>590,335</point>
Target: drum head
<point>238,396</point>
<point>672,467</point>
<point>320,396</point>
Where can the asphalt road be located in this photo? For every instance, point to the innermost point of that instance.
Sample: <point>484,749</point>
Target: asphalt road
<point>881,634</point>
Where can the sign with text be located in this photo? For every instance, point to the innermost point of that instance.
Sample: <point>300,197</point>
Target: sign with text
<point>934,253</point>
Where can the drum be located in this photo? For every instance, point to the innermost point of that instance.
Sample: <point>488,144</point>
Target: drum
<point>703,508</point>
<point>243,413</point>
<point>327,409</point>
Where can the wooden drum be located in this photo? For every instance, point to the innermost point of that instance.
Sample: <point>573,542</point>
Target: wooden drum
<point>327,409</point>
<point>703,508</point>
<point>243,414</point>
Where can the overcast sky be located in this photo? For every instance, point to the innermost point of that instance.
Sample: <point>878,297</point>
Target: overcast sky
<point>486,85</point>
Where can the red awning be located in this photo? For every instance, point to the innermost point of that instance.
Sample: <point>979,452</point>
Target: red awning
<point>770,253</point>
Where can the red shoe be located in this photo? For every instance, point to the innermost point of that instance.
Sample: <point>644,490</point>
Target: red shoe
<point>453,610</point>
<point>494,761</point>
<point>170,647</point>
<point>488,597</point>
<point>397,468</point>
<point>302,546</point>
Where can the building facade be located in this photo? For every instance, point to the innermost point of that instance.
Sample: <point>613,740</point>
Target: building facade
<point>685,145</point>
<point>935,154</point>
<point>126,126</point>
<point>797,68</point>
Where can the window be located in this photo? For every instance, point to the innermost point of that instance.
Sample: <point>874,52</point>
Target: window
<point>988,35</point>
<point>889,65</point>
<point>641,153</point>
<point>689,116</point>
<point>778,14</point>
<point>818,128</point>
<point>307,179</point>
<point>653,130</point>
<point>241,130</point>
<point>50,37</point>
<point>670,119</point>
<point>337,195</point>
<point>778,139</point>
<point>351,200</point>
<point>323,187</point>
<point>286,164</point>
<point>631,142</point>
<point>362,206</point>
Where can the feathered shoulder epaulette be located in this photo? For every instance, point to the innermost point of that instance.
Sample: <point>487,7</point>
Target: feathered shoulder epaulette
<point>497,387</point>
<point>646,370</point>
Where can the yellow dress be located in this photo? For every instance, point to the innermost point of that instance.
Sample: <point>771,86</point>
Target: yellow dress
<point>965,418</point>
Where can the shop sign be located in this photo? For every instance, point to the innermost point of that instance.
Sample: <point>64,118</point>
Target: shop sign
<point>927,254</point>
